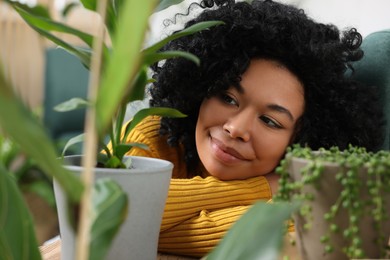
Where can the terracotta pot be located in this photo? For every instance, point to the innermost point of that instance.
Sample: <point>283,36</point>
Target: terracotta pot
<point>147,187</point>
<point>325,195</point>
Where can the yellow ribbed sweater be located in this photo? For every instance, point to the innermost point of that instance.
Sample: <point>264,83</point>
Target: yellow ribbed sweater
<point>198,210</point>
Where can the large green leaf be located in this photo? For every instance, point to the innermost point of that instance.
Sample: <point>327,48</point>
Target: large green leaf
<point>257,235</point>
<point>110,205</point>
<point>24,128</point>
<point>188,31</point>
<point>125,60</point>
<point>17,237</point>
<point>8,151</point>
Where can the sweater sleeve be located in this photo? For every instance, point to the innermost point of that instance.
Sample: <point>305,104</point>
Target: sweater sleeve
<point>188,197</point>
<point>199,234</point>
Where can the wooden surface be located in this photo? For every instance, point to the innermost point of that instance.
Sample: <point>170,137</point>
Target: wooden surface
<point>52,251</point>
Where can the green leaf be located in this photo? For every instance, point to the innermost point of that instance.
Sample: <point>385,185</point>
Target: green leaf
<point>89,4</point>
<point>188,31</point>
<point>43,25</point>
<point>140,145</point>
<point>139,86</point>
<point>83,55</point>
<point>122,149</point>
<point>164,4</point>
<point>157,111</point>
<point>26,130</point>
<point>110,206</point>
<point>155,57</point>
<point>114,162</point>
<point>113,8</point>
<point>124,62</point>
<point>113,12</point>
<point>9,151</point>
<point>74,140</point>
<point>102,158</point>
<point>68,8</point>
<point>117,5</point>
<point>46,24</point>
<point>128,162</point>
<point>258,234</point>
<point>37,10</point>
<point>17,237</point>
<point>71,104</point>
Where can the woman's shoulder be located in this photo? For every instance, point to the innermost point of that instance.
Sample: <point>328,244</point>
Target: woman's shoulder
<point>146,132</point>
<point>148,128</point>
<point>148,124</point>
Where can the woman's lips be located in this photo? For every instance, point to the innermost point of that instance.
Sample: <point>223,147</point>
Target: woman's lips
<point>224,153</point>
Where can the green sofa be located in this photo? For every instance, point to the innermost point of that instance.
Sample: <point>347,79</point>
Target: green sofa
<point>374,70</point>
<point>65,78</point>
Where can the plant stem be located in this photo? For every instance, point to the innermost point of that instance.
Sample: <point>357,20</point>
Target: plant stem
<point>90,146</point>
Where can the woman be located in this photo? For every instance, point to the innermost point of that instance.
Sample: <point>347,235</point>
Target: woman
<point>269,77</point>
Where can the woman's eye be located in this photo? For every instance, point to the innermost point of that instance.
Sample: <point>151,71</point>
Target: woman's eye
<point>228,99</point>
<point>270,122</point>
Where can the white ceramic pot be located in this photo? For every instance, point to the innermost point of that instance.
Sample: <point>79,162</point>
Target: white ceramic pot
<point>325,195</point>
<point>147,187</point>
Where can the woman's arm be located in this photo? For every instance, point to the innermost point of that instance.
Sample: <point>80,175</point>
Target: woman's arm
<point>198,235</point>
<point>188,197</point>
<point>273,181</point>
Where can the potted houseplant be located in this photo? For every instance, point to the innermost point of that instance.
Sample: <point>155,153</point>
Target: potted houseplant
<point>346,201</point>
<point>109,202</point>
<point>123,67</point>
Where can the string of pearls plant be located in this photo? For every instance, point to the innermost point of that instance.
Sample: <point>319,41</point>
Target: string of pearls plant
<point>350,161</point>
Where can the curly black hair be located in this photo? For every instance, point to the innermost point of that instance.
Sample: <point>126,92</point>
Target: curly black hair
<point>338,111</point>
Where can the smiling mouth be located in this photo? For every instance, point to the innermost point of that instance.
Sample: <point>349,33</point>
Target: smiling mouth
<point>225,154</point>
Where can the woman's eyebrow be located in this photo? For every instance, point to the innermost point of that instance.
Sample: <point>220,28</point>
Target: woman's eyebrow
<point>282,110</point>
<point>239,88</point>
<point>273,107</point>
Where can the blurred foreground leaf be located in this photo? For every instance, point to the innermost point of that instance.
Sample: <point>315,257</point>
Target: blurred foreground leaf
<point>17,237</point>
<point>258,234</point>
<point>25,129</point>
<point>109,212</point>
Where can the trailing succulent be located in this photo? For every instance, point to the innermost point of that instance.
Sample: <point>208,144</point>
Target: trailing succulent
<point>350,161</point>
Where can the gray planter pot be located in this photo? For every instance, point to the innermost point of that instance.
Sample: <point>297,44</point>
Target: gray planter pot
<point>147,187</point>
<point>325,195</point>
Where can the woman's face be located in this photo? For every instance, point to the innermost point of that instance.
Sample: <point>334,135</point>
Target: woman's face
<point>244,132</point>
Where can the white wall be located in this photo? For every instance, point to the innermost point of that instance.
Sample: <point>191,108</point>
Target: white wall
<point>365,15</point>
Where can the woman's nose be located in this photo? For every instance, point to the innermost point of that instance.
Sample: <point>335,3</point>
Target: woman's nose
<point>238,126</point>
